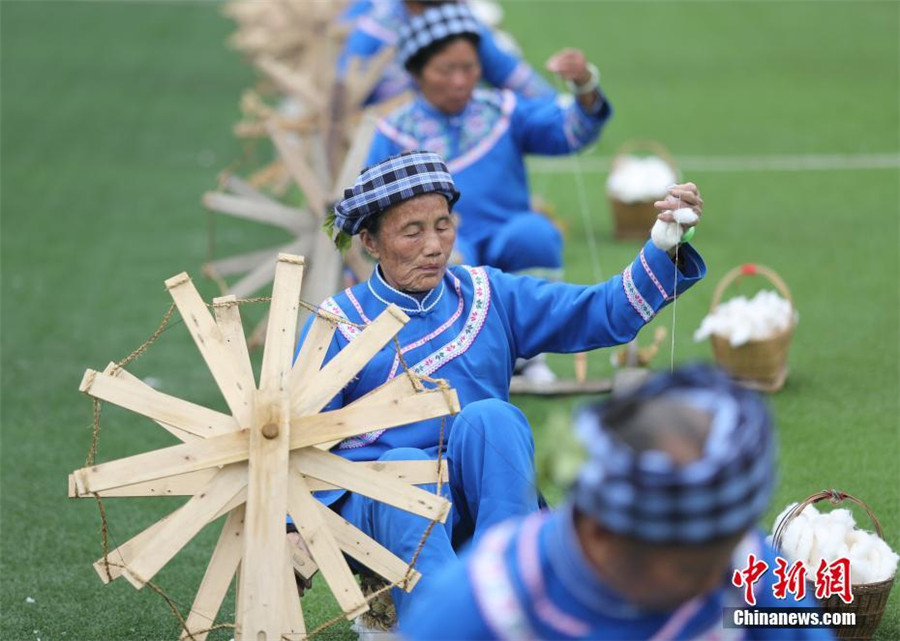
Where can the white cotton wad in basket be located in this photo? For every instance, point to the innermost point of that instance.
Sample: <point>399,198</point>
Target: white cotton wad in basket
<point>741,320</point>
<point>812,536</point>
<point>636,179</point>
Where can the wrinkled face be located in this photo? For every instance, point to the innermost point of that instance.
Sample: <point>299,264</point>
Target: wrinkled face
<point>656,577</point>
<point>449,78</point>
<point>413,242</point>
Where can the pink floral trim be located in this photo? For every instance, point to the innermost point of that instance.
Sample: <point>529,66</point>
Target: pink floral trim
<point>357,306</point>
<point>493,590</point>
<point>529,564</point>
<point>404,140</point>
<point>487,143</point>
<point>642,307</point>
<point>436,332</point>
<point>481,305</point>
<point>348,331</point>
<point>662,290</point>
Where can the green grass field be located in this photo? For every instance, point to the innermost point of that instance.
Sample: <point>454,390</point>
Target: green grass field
<point>116,118</point>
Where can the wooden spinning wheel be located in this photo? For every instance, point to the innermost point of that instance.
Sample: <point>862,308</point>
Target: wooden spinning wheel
<point>263,460</point>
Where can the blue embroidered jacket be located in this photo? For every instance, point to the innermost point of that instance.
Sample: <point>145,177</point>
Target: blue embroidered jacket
<point>378,28</point>
<point>529,579</point>
<point>485,147</point>
<point>471,329</point>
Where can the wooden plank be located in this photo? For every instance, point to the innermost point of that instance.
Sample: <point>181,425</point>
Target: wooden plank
<point>231,448</point>
<point>113,370</point>
<point>361,547</point>
<point>241,263</point>
<point>356,155</point>
<point>326,270</point>
<point>304,509</point>
<point>162,463</point>
<point>312,353</point>
<point>290,81</point>
<point>412,472</point>
<point>221,569</point>
<point>519,385</point>
<point>292,154</point>
<point>282,327</point>
<point>371,483</point>
<point>220,357</point>
<point>294,628</point>
<point>228,318</point>
<point>302,562</point>
<point>146,401</point>
<point>185,524</point>
<point>278,215</point>
<point>122,555</point>
<point>348,362</point>
<point>240,187</point>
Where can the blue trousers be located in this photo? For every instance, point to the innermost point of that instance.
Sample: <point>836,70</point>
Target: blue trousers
<point>490,455</point>
<point>526,241</point>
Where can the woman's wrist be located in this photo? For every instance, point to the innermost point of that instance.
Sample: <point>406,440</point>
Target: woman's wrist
<point>590,85</point>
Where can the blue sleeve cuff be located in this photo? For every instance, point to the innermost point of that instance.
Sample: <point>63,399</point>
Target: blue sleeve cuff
<point>652,280</point>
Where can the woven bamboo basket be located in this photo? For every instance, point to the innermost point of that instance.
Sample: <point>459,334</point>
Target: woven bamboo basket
<point>869,599</point>
<point>762,364</point>
<point>633,221</point>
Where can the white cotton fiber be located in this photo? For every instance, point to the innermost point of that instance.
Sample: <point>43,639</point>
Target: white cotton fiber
<point>812,536</point>
<point>637,179</point>
<point>741,320</point>
<point>666,235</point>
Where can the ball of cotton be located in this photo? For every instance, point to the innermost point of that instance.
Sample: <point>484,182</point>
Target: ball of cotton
<point>813,536</point>
<point>666,235</point>
<point>637,179</point>
<point>741,321</point>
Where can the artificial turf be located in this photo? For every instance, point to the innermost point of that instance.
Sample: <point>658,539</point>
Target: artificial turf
<point>116,118</point>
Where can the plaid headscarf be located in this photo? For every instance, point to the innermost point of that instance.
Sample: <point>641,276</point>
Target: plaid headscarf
<point>390,182</point>
<point>437,23</point>
<point>648,497</point>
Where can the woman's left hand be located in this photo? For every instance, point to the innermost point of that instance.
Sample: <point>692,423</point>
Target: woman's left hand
<point>680,196</point>
<point>570,64</point>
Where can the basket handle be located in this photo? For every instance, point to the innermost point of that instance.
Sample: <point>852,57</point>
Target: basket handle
<point>836,497</point>
<point>750,269</point>
<point>652,146</point>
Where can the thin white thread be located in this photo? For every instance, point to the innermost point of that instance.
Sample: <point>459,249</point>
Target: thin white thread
<point>675,295</point>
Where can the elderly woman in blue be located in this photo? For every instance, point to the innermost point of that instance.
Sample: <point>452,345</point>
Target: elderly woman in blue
<point>377,27</point>
<point>662,514</point>
<point>468,325</point>
<point>484,135</point>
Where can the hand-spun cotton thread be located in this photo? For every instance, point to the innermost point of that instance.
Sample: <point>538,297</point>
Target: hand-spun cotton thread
<point>667,235</point>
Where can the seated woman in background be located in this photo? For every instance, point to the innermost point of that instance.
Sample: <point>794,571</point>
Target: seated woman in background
<point>377,25</point>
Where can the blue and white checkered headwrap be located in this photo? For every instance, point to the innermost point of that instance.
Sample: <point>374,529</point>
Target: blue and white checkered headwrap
<point>390,182</point>
<point>648,497</point>
<point>437,23</point>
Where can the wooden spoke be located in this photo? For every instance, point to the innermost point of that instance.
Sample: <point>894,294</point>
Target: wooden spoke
<point>282,327</point>
<point>312,352</point>
<point>356,478</point>
<point>228,318</point>
<point>185,523</point>
<point>357,544</point>
<point>221,569</point>
<point>343,367</point>
<point>271,213</point>
<point>217,353</point>
<point>324,549</point>
<point>146,401</point>
<point>303,174</point>
<point>293,612</point>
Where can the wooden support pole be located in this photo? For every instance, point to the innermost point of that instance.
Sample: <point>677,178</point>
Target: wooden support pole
<point>185,524</point>
<point>262,600</point>
<point>222,359</point>
<point>221,569</point>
